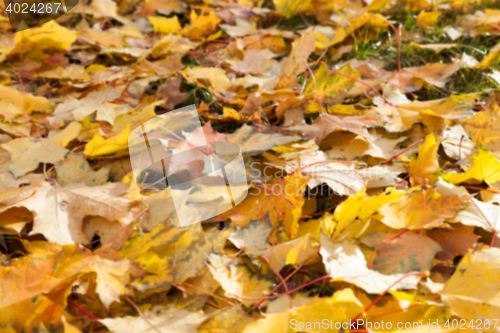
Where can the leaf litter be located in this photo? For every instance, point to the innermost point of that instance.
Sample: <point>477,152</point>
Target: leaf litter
<point>380,120</point>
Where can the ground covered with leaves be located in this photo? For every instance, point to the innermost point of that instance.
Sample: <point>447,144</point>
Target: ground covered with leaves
<point>371,135</point>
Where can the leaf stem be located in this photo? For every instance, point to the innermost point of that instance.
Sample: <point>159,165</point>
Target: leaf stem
<point>82,310</point>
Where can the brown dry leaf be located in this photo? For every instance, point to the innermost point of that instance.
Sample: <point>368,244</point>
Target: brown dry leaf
<point>16,103</point>
<point>230,320</point>
<point>405,253</point>
<point>326,124</point>
<point>170,91</point>
<point>337,309</point>
<point>454,242</point>
<point>354,127</point>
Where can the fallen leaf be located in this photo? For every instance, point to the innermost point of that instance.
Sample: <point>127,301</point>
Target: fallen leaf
<point>345,261</point>
<point>461,293</point>
<point>158,318</point>
<point>171,254</point>
<point>238,280</point>
<point>165,25</point>
<point>59,211</point>
<point>421,208</point>
<point>424,169</point>
<point>294,252</point>
<point>485,167</point>
<point>426,20</point>
<point>405,253</point>
<point>76,169</point>
<point>27,153</point>
<point>454,242</point>
<point>48,36</point>
<point>336,309</point>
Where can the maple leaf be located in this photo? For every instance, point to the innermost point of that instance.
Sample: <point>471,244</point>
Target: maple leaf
<point>351,215</point>
<point>158,318</point>
<point>16,103</point>
<point>113,146</point>
<point>294,252</point>
<point>113,272</point>
<point>424,168</point>
<point>484,127</point>
<point>216,76</point>
<point>328,86</point>
<point>170,90</point>
<point>345,261</point>
<point>461,293</point>
<point>253,237</point>
<point>297,60</point>
<point>49,36</point>
<point>76,169</point>
<point>27,277</point>
<point>230,318</point>
<point>38,314</point>
<point>338,308</point>
<point>331,97</point>
<point>27,153</point>
<point>454,242</point>
<point>261,201</point>
<point>58,212</point>
<point>485,167</point>
<point>403,254</point>
<point>344,178</point>
<point>421,208</point>
<point>327,124</point>
<point>171,254</point>
<point>237,279</point>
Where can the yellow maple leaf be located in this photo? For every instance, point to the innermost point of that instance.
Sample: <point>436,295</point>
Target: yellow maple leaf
<point>217,77</point>
<point>473,292</point>
<point>14,102</point>
<point>201,25</point>
<point>288,8</point>
<point>165,25</point>
<point>485,167</point>
<point>426,20</point>
<point>351,215</point>
<point>114,146</point>
<point>48,36</point>
<point>339,308</point>
<point>484,127</point>
<point>328,86</point>
<point>424,169</point>
<point>282,199</point>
